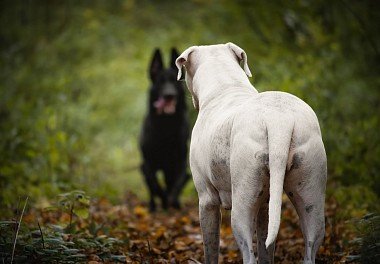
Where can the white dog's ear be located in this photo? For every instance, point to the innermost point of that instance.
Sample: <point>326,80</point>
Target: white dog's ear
<point>182,59</point>
<point>241,56</point>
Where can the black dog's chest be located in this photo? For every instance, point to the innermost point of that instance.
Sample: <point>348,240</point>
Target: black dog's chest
<point>164,140</point>
<point>165,130</point>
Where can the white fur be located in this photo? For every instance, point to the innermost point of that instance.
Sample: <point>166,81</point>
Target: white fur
<point>238,137</point>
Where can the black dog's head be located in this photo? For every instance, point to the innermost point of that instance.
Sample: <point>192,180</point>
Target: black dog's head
<point>166,94</point>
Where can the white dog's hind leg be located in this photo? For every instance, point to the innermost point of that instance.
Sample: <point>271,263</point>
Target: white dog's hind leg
<point>305,185</point>
<point>209,218</point>
<point>245,205</point>
<point>249,179</point>
<point>311,214</point>
<point>242,227</point>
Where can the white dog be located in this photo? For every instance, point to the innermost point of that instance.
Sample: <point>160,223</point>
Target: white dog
<point>246,147</point>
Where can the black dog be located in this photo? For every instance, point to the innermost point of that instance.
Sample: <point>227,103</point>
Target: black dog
<point>164,134</point>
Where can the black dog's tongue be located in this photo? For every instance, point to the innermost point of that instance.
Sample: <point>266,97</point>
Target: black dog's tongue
<point>166,106</point>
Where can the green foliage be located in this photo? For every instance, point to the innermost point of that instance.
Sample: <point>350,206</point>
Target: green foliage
<point>355,201</point>
<point>53,245</point>
<point>368,240</point>
<point>74,80</point>
<point>75,202</point>
<point>58,244</point>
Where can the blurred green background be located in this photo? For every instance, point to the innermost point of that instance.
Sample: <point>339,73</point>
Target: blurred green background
<point>74,85</point>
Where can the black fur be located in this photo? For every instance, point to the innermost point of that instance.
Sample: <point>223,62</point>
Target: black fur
<point>164,135</point>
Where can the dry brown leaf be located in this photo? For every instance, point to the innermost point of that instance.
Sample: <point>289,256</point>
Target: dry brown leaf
<point>140,211</point>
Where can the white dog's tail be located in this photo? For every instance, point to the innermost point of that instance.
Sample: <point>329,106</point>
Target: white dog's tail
<point>279,138</point>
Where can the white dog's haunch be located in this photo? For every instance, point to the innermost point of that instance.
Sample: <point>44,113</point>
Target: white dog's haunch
<point>246,147</point>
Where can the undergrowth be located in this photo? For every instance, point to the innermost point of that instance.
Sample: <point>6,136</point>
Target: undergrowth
<point>69,241</point>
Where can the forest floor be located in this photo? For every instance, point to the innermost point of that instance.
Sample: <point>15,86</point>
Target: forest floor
<point>175,237</point>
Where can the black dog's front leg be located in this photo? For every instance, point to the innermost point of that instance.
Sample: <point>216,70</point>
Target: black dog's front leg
<point>154,187</point>
<point>177,189</point>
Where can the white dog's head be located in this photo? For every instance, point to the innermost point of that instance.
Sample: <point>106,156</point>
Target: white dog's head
<point>194,56</point>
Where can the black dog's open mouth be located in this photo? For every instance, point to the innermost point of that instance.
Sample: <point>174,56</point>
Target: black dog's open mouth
<point>165,105</point>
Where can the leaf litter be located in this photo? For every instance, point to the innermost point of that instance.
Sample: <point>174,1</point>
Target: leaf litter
<point>129,233</point>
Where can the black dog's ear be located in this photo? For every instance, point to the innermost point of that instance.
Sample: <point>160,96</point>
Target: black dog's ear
<point>156,65</point>
<point>174,56</point>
